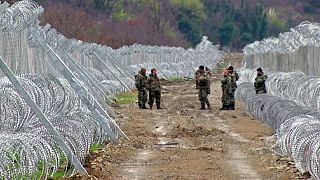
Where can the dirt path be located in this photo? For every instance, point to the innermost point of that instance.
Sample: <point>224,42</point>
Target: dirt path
<point>182,142</point>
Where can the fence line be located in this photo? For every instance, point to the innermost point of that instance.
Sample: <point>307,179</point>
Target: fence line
<point>55,91</point>
<point>296,50</point>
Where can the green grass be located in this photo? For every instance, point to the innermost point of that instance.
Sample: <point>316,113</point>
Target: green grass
<point>175,78</point>
<point>126,98</point>
<point>57,175</point>
<point>95,147</point>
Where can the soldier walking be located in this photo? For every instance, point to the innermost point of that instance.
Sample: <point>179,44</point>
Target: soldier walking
<point>234,78</point>
<point>226,83</point>
<point>140,83</point>
<point>154,87</point>
<point>203,85</point>
<point>259,83</point>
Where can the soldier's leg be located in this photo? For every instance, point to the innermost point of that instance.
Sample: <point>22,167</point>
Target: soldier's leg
<point>202,98</point>
<point>232,102</point>
<point>144,100</point>
<point>158,99</point>
<point>151,98</point>
<point>225,102</point>
<point>228,101</point>
<point>206,98</point>
<point>140,98</point>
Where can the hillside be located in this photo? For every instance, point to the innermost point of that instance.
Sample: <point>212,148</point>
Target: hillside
<point>176,22</point>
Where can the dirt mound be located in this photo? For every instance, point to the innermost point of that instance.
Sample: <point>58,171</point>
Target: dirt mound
<point>198,131</point>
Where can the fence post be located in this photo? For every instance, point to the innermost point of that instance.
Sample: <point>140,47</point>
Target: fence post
<point>42,118</point>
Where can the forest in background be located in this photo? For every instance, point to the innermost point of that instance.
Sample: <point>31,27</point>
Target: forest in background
<point>231,23</point>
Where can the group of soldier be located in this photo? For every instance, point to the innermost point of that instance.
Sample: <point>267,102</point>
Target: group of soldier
<point>228,84</point>
<point>228,81</point>
<point>145,84</point>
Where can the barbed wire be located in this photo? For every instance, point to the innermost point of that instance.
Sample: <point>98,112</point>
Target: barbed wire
<point>295,122</point>
<point>68,81</point>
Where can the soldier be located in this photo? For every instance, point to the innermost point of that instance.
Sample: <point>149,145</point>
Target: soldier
<point>208,71</point>
<point>203,85</point>
<point>140,83</point>
<point>259,83</point>
<point>154,87</point>
<point>234,78</point>
<point>226,83</point>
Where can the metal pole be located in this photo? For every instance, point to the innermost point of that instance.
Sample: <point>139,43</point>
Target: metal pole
<point>105,66</point>
<point>116,65</point>
<point>94,107</point>
<point>42,118</point>
<point>83,72</point>
<point>151,60</point>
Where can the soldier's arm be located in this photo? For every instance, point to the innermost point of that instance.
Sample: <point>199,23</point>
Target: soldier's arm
<point>147,83</point>
<point>255,83</point>
<point>223,80</point>
<point>265,77</point>
<point>237,75</point>
<point>137,82</point>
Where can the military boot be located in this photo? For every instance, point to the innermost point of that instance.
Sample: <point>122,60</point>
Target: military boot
<point>208,104</point>
<point>231,107</point>
<point>202,106</point>
<point>224,107</point>
<point>158,106</point>
<point>150,105</point>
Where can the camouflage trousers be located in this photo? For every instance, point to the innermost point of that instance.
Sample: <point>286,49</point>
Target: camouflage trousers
<point>232,100</point>
<point>154,95</point>
<point>228,99</point>
<point>203,95</point>
<point>142,97</point>
<point>261,91</point>
<point>225,99</point>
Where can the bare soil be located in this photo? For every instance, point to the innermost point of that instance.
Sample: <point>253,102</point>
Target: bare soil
<point>181,142</point>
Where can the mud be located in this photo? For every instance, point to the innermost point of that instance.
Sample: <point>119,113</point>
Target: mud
<point>182,142</point>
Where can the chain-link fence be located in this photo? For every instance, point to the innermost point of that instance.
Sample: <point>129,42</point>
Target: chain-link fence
<point>56,92</point>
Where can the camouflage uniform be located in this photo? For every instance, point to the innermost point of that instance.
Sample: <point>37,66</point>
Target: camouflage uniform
<point>203,85</point>
<point>208,71</point>
<point>154,87</point>
<point>259,84</point>
<point>140,84</point>
<point>234,78</point>
<point>226,85</point>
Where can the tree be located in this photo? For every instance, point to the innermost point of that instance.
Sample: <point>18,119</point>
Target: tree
<point>227,33</point>
<point>191,13</point>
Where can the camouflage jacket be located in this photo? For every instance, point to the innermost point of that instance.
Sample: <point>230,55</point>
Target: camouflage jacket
<point>259,83</point>
<point>153,83</point>
<point>140,81</point>
<point>234,78</point>
<point>202,80</point>
<point>226,84</point>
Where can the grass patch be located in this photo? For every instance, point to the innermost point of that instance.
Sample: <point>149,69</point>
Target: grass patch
<point>95,147</point>
<point>175,78</point>
<point>126,98</point>
<point>57,176</point>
